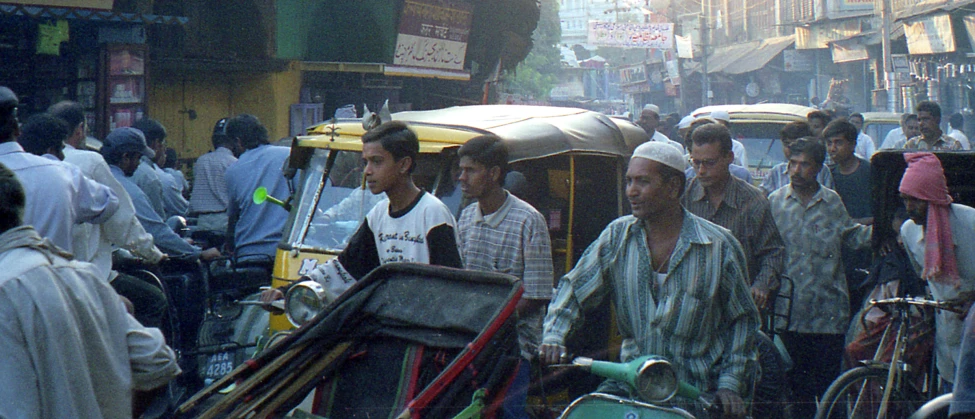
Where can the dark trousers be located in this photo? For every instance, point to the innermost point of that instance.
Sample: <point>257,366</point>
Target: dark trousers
<point>149,301</point>
<point>816,363</point>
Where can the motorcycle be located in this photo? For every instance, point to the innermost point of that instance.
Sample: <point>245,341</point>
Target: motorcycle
<point>213,321</point>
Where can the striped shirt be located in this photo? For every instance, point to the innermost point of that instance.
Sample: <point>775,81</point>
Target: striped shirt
<point>745,211</point>
<point>701,317</point>
<point>814,234</point>
<point>209,187</point>
<point>513,240</point>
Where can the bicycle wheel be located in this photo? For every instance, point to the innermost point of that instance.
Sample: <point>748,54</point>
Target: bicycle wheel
<point>857,393</point>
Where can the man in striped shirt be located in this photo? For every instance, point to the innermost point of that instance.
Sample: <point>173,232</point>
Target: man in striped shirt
<point>501,233</point>
<point>678,283</point>
<point>715,195</point>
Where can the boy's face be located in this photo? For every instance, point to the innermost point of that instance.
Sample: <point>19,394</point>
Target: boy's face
<point>382,170</point>
<point>840,148</point>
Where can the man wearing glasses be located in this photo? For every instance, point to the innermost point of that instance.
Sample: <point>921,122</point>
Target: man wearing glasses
<point>717,196</point>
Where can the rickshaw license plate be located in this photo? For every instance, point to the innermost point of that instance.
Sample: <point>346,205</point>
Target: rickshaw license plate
<point>219,365</point>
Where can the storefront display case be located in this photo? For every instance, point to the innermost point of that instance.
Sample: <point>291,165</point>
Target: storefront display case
<point>123,86</point>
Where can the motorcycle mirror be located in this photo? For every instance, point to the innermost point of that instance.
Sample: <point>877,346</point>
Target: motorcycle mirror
<point>260,196</point>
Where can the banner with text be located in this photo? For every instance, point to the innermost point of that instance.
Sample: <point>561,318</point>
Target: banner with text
<point>433,37</point>
<point>631,35</point>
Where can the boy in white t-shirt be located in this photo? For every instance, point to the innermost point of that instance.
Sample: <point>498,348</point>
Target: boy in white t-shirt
<point>409,225</point>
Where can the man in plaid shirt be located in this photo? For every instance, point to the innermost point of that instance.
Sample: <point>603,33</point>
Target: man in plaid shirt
<point>501,233</point>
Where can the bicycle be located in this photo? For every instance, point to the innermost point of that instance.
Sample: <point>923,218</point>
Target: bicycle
<point>881,389</point>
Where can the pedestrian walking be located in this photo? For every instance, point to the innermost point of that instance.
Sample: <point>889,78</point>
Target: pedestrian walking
<point>814,226</point>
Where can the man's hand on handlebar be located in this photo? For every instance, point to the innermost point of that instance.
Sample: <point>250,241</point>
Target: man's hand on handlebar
<point>551,354</point>
<point>731,403</point>
<point>210,254</point>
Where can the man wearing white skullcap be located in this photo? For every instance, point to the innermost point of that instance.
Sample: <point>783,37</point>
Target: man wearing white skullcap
<point>678,284</point>
<point>741,156</point>
<point>649,121</point>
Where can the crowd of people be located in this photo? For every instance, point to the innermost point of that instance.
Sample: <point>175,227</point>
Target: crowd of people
<point>84,337</point>
<point>691,271</point>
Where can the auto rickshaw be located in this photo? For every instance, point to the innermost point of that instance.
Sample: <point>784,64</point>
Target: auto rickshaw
<point>757,128</point>
<point>568,163</point>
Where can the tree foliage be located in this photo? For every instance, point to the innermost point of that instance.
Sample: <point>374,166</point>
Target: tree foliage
<point>539,72</point>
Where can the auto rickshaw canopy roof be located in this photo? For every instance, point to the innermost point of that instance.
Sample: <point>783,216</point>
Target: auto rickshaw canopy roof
<point>762,112</point>
<point>529,131</point>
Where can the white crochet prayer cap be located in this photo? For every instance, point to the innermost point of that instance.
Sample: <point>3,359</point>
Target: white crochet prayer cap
<point>662,153</point>
<point>721,115</point>
<point>652,107</point>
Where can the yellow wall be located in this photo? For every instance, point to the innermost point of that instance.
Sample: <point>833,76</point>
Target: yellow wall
<point>214,96</point>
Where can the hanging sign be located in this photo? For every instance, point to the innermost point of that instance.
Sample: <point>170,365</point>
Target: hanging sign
<point>631,35</point>
<point>432,36</point>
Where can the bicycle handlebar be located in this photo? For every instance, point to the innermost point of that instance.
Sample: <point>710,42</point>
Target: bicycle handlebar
<point>954,307</point>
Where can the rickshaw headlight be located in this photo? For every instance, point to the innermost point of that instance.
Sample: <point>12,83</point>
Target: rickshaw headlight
<point>656,381</point>
<point>303,302</point>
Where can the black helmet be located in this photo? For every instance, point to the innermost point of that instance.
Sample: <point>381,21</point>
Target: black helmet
<point>220,128</point>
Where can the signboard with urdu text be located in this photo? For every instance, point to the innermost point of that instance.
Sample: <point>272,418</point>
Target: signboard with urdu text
<point>631,35</point>
<point>433,36</point>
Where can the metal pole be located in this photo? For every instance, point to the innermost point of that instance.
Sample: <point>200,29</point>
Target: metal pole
<point>890,80</point>
<point>705,43</point>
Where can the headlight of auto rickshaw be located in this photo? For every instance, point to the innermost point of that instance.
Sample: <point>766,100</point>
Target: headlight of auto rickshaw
<point>656,381</point>
<point>303,302</point>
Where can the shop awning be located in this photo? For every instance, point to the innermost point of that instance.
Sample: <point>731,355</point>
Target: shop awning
<point>45,12</point>
<point>759,57</point>
<point>746,57</point>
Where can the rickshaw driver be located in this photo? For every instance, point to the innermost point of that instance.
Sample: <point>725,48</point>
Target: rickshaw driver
<point>935,225</point>
<point>409,225</point>
<point>678,283</point>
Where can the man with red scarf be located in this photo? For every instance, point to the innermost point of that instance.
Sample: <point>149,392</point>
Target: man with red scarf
<point>940,241</point>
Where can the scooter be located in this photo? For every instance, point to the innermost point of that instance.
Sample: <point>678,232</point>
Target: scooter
<point>655,383</point>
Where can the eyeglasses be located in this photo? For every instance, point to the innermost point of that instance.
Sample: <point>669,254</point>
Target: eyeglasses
<point>707,164</point>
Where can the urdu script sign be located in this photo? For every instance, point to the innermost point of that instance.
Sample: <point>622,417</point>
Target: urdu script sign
<point>433,34</point>
<point>631,35</point>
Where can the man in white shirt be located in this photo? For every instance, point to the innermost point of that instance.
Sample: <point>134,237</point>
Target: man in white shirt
<point>95,243</point>
<point>957,124</point>
<point>650,121</point>
<point>897,137</point>
<point>70,348</point>
<point>865,146</point>
<point>58,195</point>
<point>741,157</point>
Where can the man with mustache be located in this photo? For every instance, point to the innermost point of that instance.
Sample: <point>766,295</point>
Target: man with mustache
<point>814,226</point>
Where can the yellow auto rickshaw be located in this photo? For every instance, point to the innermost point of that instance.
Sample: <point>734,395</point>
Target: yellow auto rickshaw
<point>569,163</point>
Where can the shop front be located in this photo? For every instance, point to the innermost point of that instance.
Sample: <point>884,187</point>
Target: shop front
<point>82,51</point>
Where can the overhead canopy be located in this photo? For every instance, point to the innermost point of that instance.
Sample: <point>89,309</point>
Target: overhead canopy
<point>538,131</point>
<point>746,57</point>
<point>47,12</point>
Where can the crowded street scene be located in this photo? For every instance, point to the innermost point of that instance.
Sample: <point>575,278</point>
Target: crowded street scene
<point>512,209</point>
